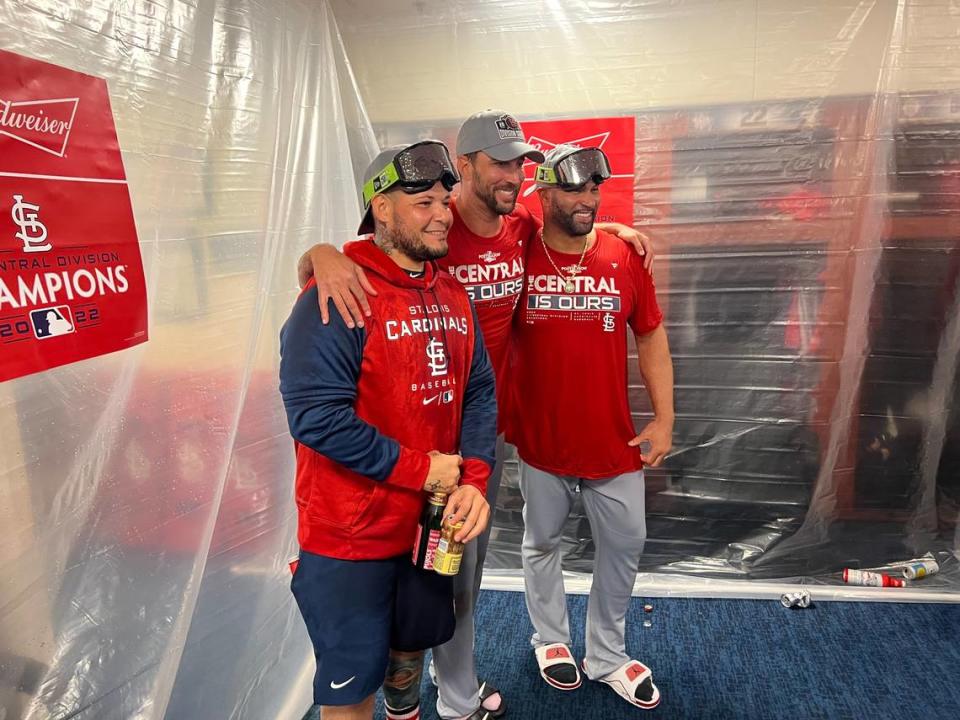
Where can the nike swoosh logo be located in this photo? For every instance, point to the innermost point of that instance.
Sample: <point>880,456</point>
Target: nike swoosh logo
<point>427,401</point>
<point>337,686</point>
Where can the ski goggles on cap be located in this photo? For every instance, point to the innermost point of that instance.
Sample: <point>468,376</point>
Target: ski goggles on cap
<point>577,168</point>
<point>415,168</point>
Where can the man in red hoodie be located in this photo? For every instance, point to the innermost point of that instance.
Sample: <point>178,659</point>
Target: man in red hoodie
<point>380,415</point>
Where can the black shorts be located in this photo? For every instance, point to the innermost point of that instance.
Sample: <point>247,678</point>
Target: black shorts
<point>356,611</point>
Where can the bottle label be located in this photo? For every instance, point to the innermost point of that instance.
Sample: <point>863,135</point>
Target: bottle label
<point>447,563</point>
<point>864,577</point>
<point>432,541</point>
<point>871,579</point>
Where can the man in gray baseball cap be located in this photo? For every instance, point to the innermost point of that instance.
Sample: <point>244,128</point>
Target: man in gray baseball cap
<point>498,134</point>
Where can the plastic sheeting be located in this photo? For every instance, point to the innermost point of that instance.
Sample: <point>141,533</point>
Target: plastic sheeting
<point>808,261</point>
<point>146,496</point>
<point>803,197</point>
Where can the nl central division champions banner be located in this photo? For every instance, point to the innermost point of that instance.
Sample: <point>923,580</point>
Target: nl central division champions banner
<point>71,276</point>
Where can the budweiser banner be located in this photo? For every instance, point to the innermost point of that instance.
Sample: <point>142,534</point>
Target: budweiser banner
<point>71,278</point>
<point>615,136</point>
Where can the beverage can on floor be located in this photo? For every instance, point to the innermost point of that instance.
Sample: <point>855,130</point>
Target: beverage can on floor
<point>870,579</point>
<point>799,598</point>
<point>917,570</point>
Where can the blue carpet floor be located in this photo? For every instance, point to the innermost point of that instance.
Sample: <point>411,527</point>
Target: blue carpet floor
<point>742,659</point>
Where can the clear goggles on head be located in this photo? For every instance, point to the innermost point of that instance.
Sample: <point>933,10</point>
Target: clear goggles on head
<point>576,169</point>
<point>415,169</point>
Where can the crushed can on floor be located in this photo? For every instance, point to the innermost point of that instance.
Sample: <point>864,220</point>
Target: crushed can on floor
<point>796,599</point>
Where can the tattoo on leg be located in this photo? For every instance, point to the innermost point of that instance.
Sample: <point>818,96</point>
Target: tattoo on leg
<point>401,687</point>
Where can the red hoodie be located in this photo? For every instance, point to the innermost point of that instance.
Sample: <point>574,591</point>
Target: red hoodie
<point>366,405</point>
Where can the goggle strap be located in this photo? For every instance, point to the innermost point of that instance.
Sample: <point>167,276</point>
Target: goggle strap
<point>546,175</point>
<point>385,179</point>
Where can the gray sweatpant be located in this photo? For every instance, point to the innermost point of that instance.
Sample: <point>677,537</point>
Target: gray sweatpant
<point>615,509</point>
<point>459,689</point>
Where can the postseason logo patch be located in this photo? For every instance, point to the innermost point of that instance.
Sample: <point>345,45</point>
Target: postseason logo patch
<point>508,128</point>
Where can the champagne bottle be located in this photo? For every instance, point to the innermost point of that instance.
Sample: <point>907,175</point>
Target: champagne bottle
<point>428,531</point>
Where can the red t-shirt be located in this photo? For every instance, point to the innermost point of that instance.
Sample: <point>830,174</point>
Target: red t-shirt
<point>569,360</point>
<point>491,270</point>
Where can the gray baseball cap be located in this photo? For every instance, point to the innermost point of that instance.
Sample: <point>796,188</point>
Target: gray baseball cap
<point>498,134</point>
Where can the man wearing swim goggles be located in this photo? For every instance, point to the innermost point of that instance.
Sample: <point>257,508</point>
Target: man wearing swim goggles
<point>414,169</point>
<point>585,292</point>
<point>380,414</point>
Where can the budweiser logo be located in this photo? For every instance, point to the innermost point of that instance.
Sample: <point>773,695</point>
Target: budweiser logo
<point>42,124</point>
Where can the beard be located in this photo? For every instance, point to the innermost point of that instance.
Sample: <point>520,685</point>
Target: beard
<point>570,223</point>
<point>489,197</point>
<point>411,244</point>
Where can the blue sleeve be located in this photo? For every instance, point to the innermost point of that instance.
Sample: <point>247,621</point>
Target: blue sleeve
<point>478,434</point>
<point>319,370</point>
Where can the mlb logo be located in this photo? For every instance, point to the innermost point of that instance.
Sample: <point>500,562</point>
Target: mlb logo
<point>51,322</point>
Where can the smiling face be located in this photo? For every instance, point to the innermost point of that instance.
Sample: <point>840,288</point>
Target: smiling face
<point>572,210</point>
<point>415,224</point>
<point>495,182</point>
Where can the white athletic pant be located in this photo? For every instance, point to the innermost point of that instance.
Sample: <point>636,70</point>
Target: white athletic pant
<point>615,508</point>
<point>458,687</point>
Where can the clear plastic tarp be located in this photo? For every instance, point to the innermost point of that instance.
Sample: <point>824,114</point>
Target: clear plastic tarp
<point>146,496</point>
<point>799,175</point>
<point>797,166</point>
